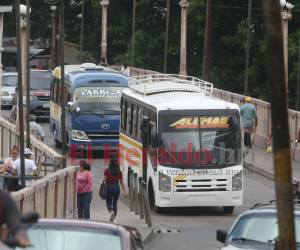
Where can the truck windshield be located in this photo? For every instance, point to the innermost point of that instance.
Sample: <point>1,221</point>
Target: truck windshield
<point>40,83</point>
<point>216,142</point>
<point>105,100</point>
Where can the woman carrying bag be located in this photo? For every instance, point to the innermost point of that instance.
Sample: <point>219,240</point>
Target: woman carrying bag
<point>113,176</point>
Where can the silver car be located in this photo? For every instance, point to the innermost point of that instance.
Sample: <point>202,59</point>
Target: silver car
<point>9,83</point>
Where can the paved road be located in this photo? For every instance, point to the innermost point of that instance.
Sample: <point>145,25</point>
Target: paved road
<point>196,226</point>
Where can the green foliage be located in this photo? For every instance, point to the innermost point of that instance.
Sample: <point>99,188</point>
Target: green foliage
<point>228,38</point>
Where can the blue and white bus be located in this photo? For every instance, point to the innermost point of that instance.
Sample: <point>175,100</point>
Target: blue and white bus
<point>93,95</point>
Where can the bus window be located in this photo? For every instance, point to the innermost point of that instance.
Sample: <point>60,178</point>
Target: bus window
<point>139,123</point>
<point>123,118</point>
<point>129,116</point>
<point>152,127</point>
<point>134,120</point>
<point>52,88</point>
<point>55,90</point>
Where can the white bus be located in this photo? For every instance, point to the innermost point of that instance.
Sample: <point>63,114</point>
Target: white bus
<point>185,143</point>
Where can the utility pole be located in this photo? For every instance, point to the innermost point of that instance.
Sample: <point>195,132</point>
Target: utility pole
<point>298,79</point>
<point>248,47</point>
<point>206,50</point>
<point>167,37</point>
<point>281,142</point>
<point>53,50</point>
<point>184,5</point>
<point>104,4</point>
<point>28,76</point>
<point>20,92</point>
<point>133,35</point>
<point>81,31</point>
<point>62,77</point>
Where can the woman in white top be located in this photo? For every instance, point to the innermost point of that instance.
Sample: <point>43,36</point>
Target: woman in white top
<point>10,184</point>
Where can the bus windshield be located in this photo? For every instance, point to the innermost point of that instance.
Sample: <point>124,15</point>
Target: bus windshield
<point>98,99</point>
<point>216,142</point>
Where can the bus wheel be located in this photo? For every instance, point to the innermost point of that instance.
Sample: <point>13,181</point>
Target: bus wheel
<point>57,143</point>
<point>228,210</point>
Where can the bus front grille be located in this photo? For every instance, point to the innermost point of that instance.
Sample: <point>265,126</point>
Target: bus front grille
<point>104,136</point>
<point>201,185</point>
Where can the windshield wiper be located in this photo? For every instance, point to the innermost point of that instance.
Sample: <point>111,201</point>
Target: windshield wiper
<point>95,113</point>
<point>112,110</point>
<point>244,239</point>
<point>162,143</point>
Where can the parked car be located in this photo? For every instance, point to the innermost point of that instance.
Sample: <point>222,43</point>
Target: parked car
<point>9,83</point>
<point>40,83</point>
<point>256,229</point>
<point>53,234</point>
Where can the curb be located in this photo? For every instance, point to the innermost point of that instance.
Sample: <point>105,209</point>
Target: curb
<point>149,237</point>
<point>259,171</point>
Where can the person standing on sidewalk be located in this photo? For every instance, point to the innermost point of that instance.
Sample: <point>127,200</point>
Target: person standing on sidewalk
<point>248,114</point>
<point>84,190</point>
<point>36,129</point>
<point>112,176</point>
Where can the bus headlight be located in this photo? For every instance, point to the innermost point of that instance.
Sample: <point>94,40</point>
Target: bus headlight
<point>78,134</point>
<point>31,98</point>
<point>164,182</point>
<point>237,182</point>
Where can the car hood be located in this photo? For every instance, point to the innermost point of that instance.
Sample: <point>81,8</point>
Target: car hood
<point>9,89</point>
<point>247,246</point>
<point>40,92</point>
<point>92,123</point>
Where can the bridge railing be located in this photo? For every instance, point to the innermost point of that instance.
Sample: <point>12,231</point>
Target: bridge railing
<point>53,196</point>
<point>9,138</point>
<point>263,108</point>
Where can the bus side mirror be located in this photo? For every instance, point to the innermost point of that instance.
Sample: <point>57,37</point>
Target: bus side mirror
<point>247,138</point>
<point>70,106</point>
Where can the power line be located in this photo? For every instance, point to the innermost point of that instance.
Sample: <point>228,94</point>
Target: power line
<point>220,6</point>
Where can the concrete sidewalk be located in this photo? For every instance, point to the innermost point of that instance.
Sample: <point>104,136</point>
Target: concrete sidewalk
<point>261,162</point>
<point>124,216</point>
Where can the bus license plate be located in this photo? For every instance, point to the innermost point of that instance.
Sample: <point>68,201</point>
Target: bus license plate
<point>46,105</point>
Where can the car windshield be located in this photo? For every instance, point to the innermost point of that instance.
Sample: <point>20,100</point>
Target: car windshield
<point>40,83</point>
<point>216,142</point>
<point>259,227</point>
<point>98,99</point>
<point>70,238</point>
<point>9,80</point>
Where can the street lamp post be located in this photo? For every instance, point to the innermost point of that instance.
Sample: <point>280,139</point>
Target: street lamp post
<point>81,32</point>
<point>53,57</point>
<point>285,16</point>
<point>184,4</point>
<point>104,4</point>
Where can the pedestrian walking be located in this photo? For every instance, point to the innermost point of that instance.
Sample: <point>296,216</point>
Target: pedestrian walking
<point>84,190</point>
<point>30,168</point>
<point>296,193</point>
<point>113,176</point>
<point>126,70</point>
<point>248,114</point>
<point>36,129</point>
<point>10,184</point>
<point>103,62</point>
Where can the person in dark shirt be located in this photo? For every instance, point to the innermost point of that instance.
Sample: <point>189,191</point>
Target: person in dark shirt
<point>112,176</point>
<point>296,193</point>
<point>10,215</point>
<point>103,63</point>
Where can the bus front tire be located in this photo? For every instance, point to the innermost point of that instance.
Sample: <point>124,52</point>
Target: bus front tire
<point>228,210</point>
